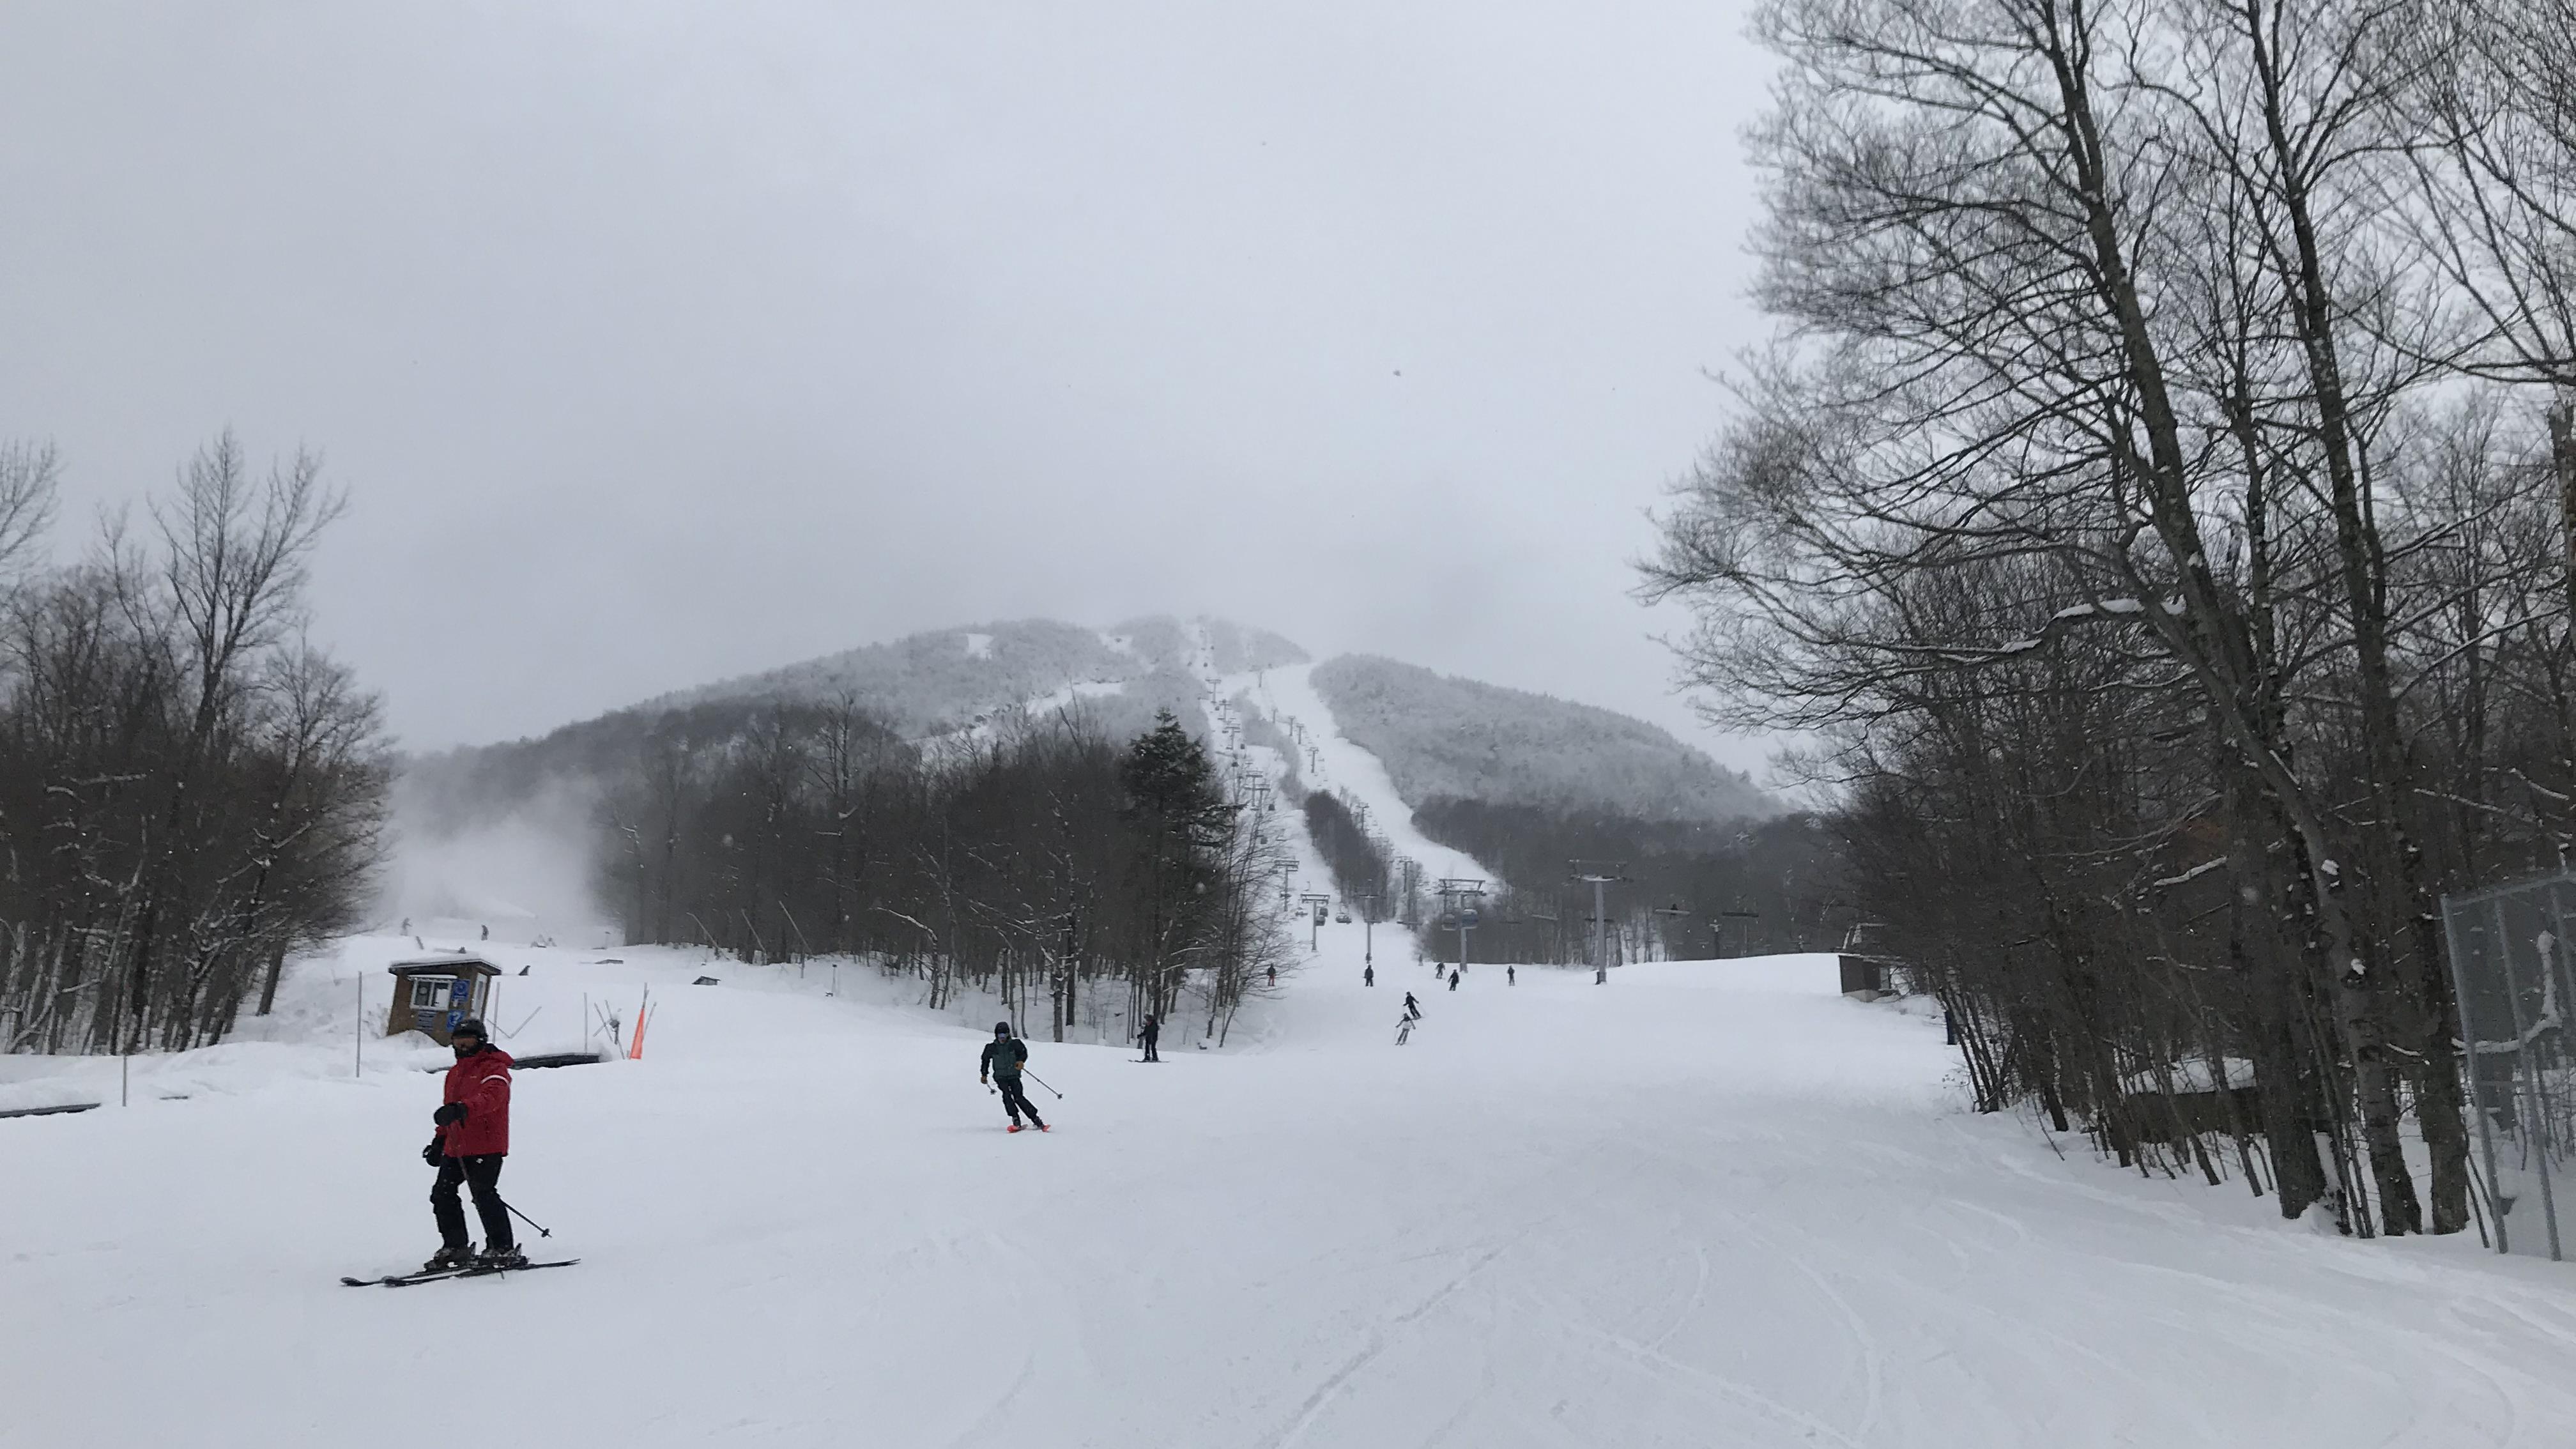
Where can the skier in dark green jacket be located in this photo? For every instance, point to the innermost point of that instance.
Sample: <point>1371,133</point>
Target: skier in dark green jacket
<point>1001,1064</point>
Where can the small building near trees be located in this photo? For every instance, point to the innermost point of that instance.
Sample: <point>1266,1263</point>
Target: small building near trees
<point>433,993</point>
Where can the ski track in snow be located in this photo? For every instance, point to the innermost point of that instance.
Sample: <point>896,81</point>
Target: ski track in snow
<point>1707,1204</point>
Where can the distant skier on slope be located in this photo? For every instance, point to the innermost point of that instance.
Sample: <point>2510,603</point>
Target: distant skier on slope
<point>1453,980</point>
<point>473,1137</point>
<point>1003,1056</point>
<point>1511,976</point>
<point>1412,1008</point>
<point>1150,1033</point>
<point>1368,976</point>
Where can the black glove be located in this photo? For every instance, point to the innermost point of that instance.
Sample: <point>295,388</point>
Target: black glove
<point>452,1112</point>
<point>433,1154</point>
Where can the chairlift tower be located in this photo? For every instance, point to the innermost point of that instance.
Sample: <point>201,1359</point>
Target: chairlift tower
<point>1458,897</point>
<point>1748,917</point>
<point>1599,873</point>
<point>1316,903</point>
<point>1674,912</point>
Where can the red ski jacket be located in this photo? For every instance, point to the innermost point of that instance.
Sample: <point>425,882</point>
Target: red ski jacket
<point>482,1083</point>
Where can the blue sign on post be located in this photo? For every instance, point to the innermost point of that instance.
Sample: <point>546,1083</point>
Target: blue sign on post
<point>453,1018</point>
<point>460,991</point>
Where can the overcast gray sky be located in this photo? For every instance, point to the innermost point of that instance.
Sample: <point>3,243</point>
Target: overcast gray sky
<point>659,342</point>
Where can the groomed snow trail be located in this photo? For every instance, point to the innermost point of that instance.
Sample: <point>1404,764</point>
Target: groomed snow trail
<point>1288,693</point>
<point>1707,1204</point>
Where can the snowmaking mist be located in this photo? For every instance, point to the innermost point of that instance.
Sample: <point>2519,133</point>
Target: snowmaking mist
<point>527,871</point>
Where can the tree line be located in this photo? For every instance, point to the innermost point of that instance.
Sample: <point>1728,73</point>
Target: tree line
<point>189,790</point>
<point>1085,882</point>
<point>1689,890</point>
<point>1362,866</point>
<point>2160,504</point>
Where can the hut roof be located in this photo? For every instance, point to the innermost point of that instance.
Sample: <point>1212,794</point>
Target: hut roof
<point>454,963</point>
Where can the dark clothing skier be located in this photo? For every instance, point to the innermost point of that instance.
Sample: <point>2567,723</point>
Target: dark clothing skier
<point>1511,976</point>
<point>1411,1006</point>
<point>1002,1058</point>
<point>1453,980</point>
<point>1368,976</point>
<point>473,1137</point>
<point>1149,1034</point>
<point>482,1173</point>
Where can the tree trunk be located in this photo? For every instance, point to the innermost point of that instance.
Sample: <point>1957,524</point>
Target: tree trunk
<point>269,979</point>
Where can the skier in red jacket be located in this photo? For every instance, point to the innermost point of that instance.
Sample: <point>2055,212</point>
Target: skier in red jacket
<point>473,1136</point>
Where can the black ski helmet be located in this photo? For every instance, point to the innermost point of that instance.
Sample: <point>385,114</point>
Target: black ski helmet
<point>471,1026</point>
<point>1001,1028</point>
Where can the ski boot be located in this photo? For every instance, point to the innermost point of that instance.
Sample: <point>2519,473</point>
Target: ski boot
<point>1015,1127</point>
<point>496,1259</point>
<point>459,1256</point>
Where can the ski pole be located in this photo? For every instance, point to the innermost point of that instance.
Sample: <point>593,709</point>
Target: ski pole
<point>1041,1081</point>
<point>542,1230</point>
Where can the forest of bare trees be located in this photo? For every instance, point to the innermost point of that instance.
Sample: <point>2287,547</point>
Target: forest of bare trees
<point>1687,890</point>
<point>1084,882</point>
<point>2160,501</point>
<point>189,790</point>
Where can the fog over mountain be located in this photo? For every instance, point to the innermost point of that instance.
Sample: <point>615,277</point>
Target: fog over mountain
<point>661,342</point>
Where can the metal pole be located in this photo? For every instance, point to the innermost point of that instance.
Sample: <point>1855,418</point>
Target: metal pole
<point>1600,937</point>
<point>358,1064</point>
<point>2477,1089</point>
<point>124,1097</point>
<point>2521,1070</point>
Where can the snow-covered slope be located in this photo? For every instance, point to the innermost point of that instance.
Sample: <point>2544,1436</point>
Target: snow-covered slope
<point>1708,1204</point>
<point>1442,736</point>
<point>1333,762</point>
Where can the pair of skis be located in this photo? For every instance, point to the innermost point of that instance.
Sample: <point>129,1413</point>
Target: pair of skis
<point>433,1275</point>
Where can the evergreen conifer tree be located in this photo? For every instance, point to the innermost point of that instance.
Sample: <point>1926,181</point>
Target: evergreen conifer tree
<point>1173,795</point>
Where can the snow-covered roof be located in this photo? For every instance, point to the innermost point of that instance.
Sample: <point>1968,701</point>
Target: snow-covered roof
<point>454,963</point>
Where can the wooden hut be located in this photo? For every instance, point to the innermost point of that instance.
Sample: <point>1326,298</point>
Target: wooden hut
<point>1864,976</point>
<point>433,993</point>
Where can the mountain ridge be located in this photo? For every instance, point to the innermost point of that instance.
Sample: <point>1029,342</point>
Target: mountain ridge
<point>942,682</point>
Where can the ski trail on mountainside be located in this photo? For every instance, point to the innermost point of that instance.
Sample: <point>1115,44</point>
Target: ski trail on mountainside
<point>1333,762</point>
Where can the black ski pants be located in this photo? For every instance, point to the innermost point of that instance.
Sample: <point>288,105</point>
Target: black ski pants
<point>483,1174</point>
<point>1150,1054</point>
<point>1015,1101</point>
